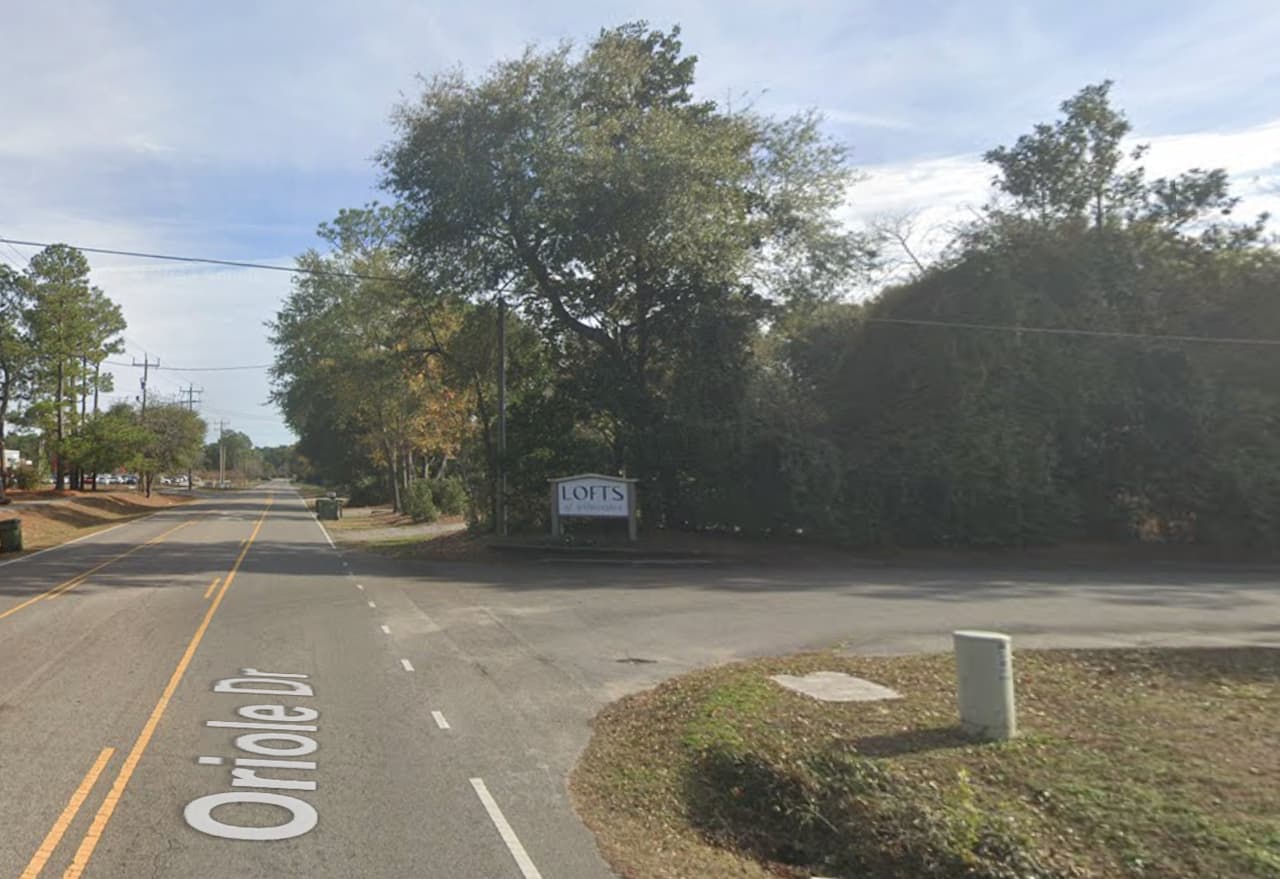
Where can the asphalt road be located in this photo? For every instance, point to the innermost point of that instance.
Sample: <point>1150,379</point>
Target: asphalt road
<point>442,706</point>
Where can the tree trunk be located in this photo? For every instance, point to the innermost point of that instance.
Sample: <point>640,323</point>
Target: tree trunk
<point>61,480</point>
<point>393,472</point>
<point>4,411</point>
<point>490,454</point>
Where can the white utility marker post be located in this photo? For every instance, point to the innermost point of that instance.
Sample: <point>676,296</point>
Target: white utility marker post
<point>984,675</point>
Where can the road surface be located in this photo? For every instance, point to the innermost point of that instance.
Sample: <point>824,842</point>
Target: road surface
<point>113,652</point>
<point>218,691</point>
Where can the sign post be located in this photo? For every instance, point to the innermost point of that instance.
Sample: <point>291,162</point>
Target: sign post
<point>592,495</point>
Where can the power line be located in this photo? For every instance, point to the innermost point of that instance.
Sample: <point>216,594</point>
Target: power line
<point>1066,331</point>
<point>259,416</point>
<point>196,368</point>
<point>21,259</point>
<point>137,344</point>
<point>295,270</point>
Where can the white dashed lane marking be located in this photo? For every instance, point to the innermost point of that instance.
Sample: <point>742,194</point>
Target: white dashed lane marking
<point>386,630</point>
<point>408,666</point>
<point>371,604</point>
<point>439,719</point>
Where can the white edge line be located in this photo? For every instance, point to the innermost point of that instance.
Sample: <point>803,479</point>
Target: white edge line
<point>325,532</point>
<point>438,717</point>
<point>26,558</point>
<point>504,830</point>
<point>408,666</point>
<point>386,630</point>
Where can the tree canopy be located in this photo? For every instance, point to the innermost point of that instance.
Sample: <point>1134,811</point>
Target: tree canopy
<point>681,308</point>
<point>56,329</point>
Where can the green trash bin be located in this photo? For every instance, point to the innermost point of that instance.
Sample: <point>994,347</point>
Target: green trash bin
<point>328,508</point>
<point>11,535</point>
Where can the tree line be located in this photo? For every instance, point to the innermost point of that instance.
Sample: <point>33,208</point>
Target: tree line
<point>56,330</point>
<point>235,453</point>
<point>1093,355</point>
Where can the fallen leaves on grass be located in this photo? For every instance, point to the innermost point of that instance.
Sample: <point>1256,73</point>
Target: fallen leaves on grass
<point>1134,764</point>
<point>48,525</point>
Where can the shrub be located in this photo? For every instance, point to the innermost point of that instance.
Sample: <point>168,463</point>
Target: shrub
<point>368,491</point>
<point>833,810</point>
<point>449,495</point>
<point>418,502</point>
<point>845,814</point>
<point>26,478</point>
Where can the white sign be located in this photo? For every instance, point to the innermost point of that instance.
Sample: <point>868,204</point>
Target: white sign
<point>601,496</point>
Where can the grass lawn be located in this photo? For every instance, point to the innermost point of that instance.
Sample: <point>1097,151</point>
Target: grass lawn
<point>367,518</point>
<point>309,490</point>
<point>48,525</point>
<point>383,531</point>
<point>1155,763</point>
<point>454,546</point>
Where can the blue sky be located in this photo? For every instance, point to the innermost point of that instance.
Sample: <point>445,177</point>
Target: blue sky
<point>232,129</point>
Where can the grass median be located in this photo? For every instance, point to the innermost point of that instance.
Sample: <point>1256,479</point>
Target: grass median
<point>1160,763</point>
<point>73,514</point>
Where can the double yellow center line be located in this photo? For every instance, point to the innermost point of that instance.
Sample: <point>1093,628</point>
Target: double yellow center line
<point>94,834</point>
<point>54,836</point>
<point>67,585</point>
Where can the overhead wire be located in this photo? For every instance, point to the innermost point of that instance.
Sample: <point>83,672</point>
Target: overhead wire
<point>1070,331</point>
<point>185,369</point>
<point>203,260</point>
<point>968,325</point>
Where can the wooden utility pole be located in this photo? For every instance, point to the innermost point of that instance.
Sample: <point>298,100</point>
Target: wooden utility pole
<point>192,390</point>
<point>222,453</point>
<point>502,416</point>
<point>146,365</point>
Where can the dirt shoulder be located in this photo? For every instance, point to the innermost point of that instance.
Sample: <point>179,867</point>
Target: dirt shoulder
<point>57,517</point>
<point>385,532</point>
<point>1133,764</point>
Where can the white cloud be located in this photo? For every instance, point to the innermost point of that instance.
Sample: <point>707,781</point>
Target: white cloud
<point>940,192</point>
<point>194,128</point>
<point>197,317</point>
<point>866,120</point>
<point>1244,153</point>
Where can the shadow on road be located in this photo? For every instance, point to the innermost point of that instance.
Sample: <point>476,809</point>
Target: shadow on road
<point>1200,587</point>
